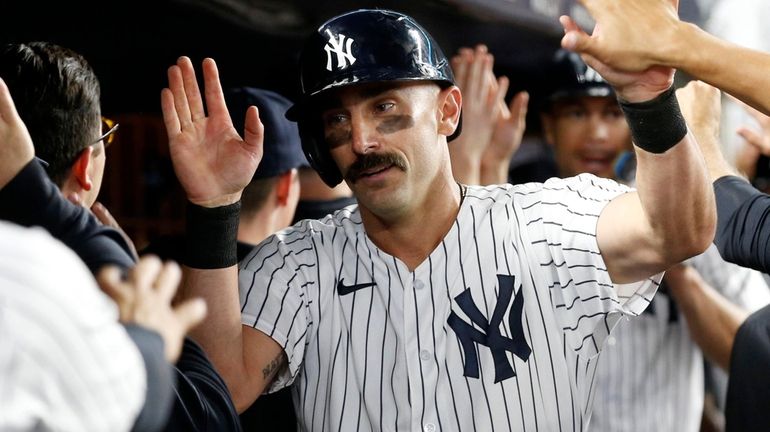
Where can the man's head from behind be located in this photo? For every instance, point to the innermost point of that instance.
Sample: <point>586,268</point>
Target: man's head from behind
<point>582,120</point>
<point>358,57</point>
<point>282,154</point>
<point>57,95</point>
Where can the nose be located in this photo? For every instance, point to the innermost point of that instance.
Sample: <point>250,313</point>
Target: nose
<point>363,135</point>
<point>599,129</point>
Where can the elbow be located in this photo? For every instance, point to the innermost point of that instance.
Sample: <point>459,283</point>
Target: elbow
<point>693,239</point>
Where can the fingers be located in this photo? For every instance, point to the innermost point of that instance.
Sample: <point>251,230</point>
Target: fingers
<point>519,106</point>
<point>170,117</point>
<point>111,283</point>
<point>190,313</point>
<point>574,39</point>
<point>104,215</point>
<point>176,85</point>
<point>145,273</point>
<point>191,90</point>
<point>755,139</point>
<point>476,76</point>
<point>254,131</point>
<point>502,89</point>
<point>215,98</point>
<point>168,280</point>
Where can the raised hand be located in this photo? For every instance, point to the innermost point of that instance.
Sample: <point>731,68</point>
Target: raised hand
<point>16,149</point>
<point>144,298</point>
<point>623,45</point>
<point>506,138</point>
<point>701,106</point>
<point>482,104</point>
<point>210,159</point>
<point>630,35</point>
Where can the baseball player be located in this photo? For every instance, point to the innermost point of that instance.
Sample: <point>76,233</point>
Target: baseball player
<point>431,305</point>
<point>650,376</point>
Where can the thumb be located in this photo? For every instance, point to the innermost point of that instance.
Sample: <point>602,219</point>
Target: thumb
<point>190,313</point>
<point>518,108</point>
<point>755,139</point>
<point>574,39</point>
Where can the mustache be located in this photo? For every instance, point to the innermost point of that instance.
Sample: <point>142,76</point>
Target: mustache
<point>373,160</point>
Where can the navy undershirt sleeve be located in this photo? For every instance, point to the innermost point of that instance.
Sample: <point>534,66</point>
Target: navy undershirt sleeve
<point>32,199</point>
<point>743,234</point>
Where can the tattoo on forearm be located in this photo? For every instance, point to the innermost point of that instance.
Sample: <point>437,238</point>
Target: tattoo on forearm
<point>272,368</point>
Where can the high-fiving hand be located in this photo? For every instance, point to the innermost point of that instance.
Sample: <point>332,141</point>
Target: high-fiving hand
<point>210,159</point>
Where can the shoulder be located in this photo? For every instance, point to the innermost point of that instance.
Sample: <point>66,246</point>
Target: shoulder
<point>307,235</point>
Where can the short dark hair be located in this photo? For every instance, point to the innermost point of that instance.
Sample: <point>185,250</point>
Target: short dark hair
<point>57,95</point>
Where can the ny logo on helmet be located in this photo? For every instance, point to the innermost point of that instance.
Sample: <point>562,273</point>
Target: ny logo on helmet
<point>592,76</point>
<point>341,47</point>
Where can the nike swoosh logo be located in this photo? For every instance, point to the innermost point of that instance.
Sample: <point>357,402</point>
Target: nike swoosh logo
<point>343,289</point>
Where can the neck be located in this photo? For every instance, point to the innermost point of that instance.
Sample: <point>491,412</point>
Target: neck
<point>412,237</point>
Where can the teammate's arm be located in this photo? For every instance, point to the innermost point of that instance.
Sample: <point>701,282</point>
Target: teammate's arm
<point>671,216</point>
<point>213,165</point>
<point>639,34</point>
<point>712,320</point>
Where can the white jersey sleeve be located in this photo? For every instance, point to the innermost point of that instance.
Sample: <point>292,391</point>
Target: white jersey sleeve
<point>563,219</point>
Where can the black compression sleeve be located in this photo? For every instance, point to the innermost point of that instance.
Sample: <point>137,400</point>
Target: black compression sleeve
<point>743,228</point>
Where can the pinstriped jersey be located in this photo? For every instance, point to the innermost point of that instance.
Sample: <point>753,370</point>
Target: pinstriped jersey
<point>497,330</point>
<point>650,375</point>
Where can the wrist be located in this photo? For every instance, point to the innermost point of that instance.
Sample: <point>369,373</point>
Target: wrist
<point>212,236</point>
<point>220,201</point>
<point>656,125</point>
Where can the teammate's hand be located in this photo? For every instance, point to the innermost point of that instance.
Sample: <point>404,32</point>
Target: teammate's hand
<point>210,159</point>
<point>506,138</point>
<point>631,86</point>
<point>144,298</point>
<point>757,142</point>
<point>701,106</point>
<point>630,35</point>
<point>15,143</point>
<point>483,101</point>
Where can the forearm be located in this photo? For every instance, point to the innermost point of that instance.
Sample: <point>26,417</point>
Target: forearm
<point>677,200</point>
<point>711,319</point>
<point>740,71</point>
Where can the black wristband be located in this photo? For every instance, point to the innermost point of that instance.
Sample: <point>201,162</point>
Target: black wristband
<point>656,125</point>
<point>212,236</point>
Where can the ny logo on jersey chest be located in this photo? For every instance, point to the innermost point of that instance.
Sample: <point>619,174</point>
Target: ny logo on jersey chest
<point>490,334</point>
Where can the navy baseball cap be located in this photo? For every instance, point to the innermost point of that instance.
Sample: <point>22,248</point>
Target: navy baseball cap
<point>282,145</point>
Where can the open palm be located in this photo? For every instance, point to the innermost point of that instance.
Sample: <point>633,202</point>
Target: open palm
<point>211,160</point>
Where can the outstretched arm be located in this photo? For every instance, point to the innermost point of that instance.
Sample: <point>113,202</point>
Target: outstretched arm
<point>671,217</point>
<point>213,165</point>
<point>639,34</point>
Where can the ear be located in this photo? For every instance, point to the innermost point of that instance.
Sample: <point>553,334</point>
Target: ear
<point>450,106</point>
<point>547,122</point>
<point>283,186</point>
<point>80,169</point>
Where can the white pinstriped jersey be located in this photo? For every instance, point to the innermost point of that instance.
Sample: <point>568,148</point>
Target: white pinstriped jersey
<point>66,364</point>
<point>650,376</point>
<point>497,330</point>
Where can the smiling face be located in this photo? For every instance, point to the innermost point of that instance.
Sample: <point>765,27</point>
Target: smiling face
<point>587,134</point>
<point>389,141</point>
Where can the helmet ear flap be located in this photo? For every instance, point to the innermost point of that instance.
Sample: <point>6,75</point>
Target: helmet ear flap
<point>317,152</point>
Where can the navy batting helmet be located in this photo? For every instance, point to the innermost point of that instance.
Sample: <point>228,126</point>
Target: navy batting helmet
<point>363,46</point>
<point>571,77</point>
